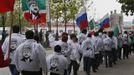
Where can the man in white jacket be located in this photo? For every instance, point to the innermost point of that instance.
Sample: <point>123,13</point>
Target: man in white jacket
<point>57,64</point>
<point>30,56</point>
<point>108,50</point>
<point>88,54</point>
<point>114,47</point>
<point>82,37</point>
<point>74,54</point>
<point>96,49</point>
<point>16,40</point>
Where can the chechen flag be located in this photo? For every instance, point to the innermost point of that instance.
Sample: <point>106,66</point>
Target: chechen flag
<point>6,5</point>
<point>81,19</point>
<point>34,11</point>
<point>105,22</point>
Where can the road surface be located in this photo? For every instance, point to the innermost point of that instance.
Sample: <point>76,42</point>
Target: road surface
<point>123,67</point>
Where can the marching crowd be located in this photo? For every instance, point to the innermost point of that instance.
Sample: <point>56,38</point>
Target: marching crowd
<point>28,56</point>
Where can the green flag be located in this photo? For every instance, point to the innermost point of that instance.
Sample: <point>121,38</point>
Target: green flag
<point>91,24</point>
<point>116,31</point>
<point>133,21</point>
<point>34,10</point>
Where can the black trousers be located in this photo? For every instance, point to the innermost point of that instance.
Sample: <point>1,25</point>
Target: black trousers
<point>101,54</point>
<point>80,56</point>
<point>108,58</point>
<point>53,73</point>
<point>114,55</point>
<point>125,51</point>
<point>132,47</point>
<point>97,61</point>
<point>30,73</point>
<point>119,54</point>
<point>87,64</point>
<point>93,64</point>
<point>75,66</point>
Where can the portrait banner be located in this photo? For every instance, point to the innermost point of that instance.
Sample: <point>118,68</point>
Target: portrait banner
<point>34,11</point>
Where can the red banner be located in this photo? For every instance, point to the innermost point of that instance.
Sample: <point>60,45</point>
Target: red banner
<point>6,5</point>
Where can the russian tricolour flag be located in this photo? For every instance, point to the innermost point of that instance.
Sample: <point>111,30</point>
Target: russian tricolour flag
<point>105,22</point>
<point>81,19</point>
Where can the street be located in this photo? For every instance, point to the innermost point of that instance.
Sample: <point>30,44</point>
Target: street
<point>123,67</point>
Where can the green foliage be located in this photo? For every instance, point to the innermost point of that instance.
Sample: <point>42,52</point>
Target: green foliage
<point>17,16</point>
<point>127,6</point>
<point>58,9</point>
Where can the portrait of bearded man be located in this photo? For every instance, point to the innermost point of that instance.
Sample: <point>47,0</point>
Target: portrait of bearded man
<point>34,15</point>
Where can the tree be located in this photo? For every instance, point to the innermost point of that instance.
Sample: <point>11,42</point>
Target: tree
<point>71,7</point>
<point>127,6</point>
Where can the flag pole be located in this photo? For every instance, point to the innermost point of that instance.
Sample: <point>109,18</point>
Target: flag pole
<point>10,34</point>
<point>3,23</point>
<point>65,15</point>
<point>20,15</point>
<point>74,26</point>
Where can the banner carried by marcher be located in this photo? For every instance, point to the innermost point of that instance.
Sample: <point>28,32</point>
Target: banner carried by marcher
<point>6,5</point>
<point>34,11</point>
<point>81,19</point>
<point>105,22</point>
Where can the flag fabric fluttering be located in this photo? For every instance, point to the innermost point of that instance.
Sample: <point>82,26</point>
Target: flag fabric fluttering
<point>6,5</point>
<point>34,11</point>
<point>105,22</point>
<point>91,24</point>
<point>116,31</point>
<point>81,19</point>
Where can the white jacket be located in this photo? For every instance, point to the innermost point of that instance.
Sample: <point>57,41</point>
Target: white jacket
<point>115,42</point>
<point>30,56</point>
<point>57,63</point>
<point>75,51</point>
<point>16,40</point>
<point>100,44</point>
<point>96,44</point>
<point>88,48</point>
<point>107,44</point>
<point>81,37</point>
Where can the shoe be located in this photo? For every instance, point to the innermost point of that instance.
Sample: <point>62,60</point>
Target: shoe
<point>94,71</point>
<point>87,73</point>
<point>110,66</point>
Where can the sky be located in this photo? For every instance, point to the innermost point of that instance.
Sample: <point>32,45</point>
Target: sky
<point>102,7</point>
